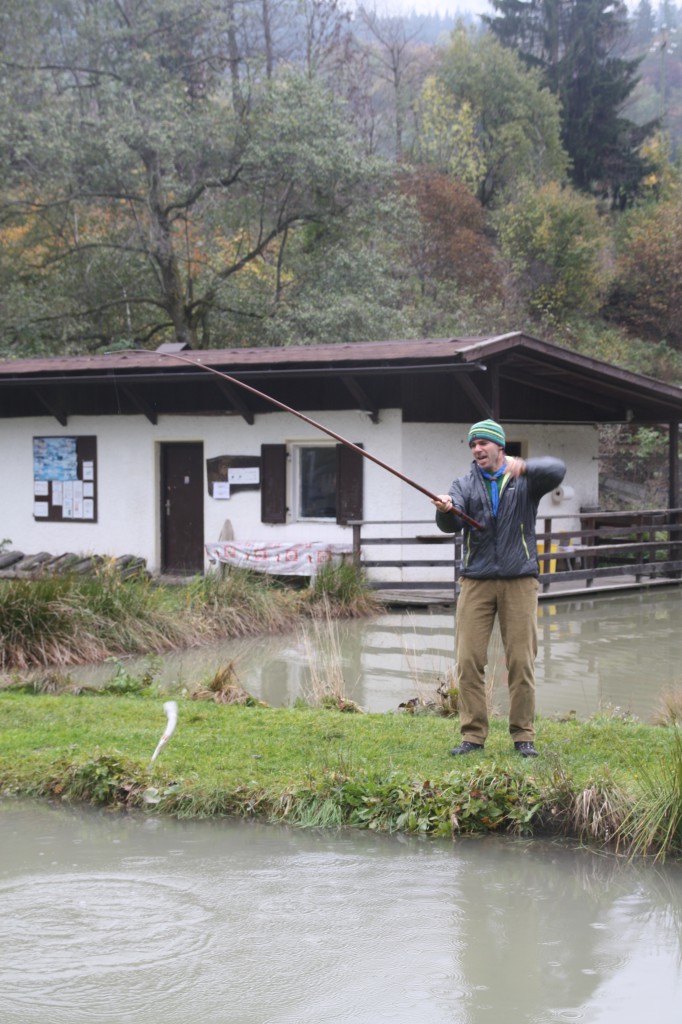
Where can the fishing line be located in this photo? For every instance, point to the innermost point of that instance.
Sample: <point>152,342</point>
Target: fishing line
<point>313,423</point>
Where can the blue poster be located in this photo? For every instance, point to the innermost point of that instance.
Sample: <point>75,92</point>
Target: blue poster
<point>55,458</point>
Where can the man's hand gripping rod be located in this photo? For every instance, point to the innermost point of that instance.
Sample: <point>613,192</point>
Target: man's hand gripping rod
<point>318,426</point>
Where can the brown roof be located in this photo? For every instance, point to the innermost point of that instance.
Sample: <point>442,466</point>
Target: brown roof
<point>513,376</point>
<point>329,354</point>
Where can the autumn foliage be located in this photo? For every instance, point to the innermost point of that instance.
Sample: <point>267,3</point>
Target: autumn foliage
<point>454,246</point>
<point>647,293</point>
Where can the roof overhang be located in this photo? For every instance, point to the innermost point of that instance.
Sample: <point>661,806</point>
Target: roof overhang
<point>515,377</point>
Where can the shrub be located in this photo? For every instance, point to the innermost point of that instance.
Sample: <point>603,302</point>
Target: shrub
<point>647,291</point>
<point>555,243</point>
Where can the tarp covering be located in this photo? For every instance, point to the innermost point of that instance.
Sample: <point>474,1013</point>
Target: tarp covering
<point>281,559</point>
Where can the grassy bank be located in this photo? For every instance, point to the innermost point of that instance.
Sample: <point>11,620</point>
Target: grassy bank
<point>61,620</point>
<point>613,783</point>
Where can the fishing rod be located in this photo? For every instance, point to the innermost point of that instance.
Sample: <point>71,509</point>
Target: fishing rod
<point>318,426</point>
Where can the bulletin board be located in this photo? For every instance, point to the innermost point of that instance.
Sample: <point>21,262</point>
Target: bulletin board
<point>228,474</point>
<point>65,479</point>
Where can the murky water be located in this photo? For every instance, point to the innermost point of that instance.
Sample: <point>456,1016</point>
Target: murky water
<point>106,919</point>
<point>620,650</point>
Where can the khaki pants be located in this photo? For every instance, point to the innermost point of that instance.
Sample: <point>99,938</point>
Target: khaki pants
<point>515,602</point>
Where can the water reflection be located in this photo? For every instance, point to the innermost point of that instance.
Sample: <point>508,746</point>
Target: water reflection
<point>621,650</point>
<point>113,919</point>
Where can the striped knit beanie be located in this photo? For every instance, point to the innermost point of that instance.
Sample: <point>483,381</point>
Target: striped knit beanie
<point>488,430</point>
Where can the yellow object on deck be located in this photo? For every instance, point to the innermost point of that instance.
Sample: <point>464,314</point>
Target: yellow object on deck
<point>547,564</point>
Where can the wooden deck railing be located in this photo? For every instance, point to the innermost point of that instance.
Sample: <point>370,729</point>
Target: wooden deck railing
<point>642,544</point>
<point>574,550</point>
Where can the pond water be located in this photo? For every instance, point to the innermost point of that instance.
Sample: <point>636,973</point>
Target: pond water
<point>108,919</point>
<point>604,652</point>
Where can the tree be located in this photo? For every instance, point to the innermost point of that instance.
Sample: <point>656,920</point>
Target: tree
<point>555,242</point>
<point>647,291</point>
<point>578,45</point>
<point>668,15</point>
<point>643,25</point>
<point>325,36</point>
<point>397,62</point>
<point>446,139</point>
<point>351,285</point>
<point>452,246</point>
<point>517,123</point>
<point>143,193</point>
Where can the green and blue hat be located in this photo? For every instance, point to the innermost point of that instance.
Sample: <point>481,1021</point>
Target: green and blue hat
<point>488,430</point>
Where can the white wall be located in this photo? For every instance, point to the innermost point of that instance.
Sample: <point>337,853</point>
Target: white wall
<point>128,479</point>
<point>128,475</point>
<point>434,454</point>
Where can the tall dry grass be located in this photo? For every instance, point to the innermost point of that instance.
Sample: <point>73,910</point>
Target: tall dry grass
<point>72,620</point>
<point>669,711</point>
<point>326,685</point>
<point>69,620</point>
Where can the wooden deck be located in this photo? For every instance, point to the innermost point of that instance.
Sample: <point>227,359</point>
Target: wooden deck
<point>434,598</point>
<point>606,552</point>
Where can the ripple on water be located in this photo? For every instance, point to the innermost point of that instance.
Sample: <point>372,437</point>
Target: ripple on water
<point>63,935</point>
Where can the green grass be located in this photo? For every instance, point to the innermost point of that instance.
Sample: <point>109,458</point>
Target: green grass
<point>389,772</point>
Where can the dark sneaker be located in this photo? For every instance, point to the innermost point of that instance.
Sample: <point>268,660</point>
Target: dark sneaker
<point>526,749</point>
<point>466,748</point>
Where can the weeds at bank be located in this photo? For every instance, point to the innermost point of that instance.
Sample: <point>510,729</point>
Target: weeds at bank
<point>654,824</point>
<point>670,707</point>
<point>343,591</point>
<point>318,768</point>
<point>56,621</point>
<point>224,688</point>
<point>326,686</point>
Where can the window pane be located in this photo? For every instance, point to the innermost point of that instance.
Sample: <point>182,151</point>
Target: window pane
<point>317,470</point>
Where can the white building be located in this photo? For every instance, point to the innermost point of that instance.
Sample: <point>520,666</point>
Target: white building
<point>157,454</point>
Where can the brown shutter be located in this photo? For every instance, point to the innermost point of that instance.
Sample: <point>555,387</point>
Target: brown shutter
<point>273,488</point>
<point>349,465</point>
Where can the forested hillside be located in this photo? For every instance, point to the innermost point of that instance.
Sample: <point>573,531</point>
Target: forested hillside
<point>276,172</point>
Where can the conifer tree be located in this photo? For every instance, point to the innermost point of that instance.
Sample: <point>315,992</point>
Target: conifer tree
<point>643,24</point>
<point>580,46</point>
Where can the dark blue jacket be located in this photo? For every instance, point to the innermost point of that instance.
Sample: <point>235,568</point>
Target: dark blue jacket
<point>505,548</point>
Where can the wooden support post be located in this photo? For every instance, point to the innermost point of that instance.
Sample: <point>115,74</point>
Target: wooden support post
<point>674,465</point>
<point>357,545</point>
<point>674,488</point>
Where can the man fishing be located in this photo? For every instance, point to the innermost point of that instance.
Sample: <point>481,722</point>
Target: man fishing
<point>499,573</point>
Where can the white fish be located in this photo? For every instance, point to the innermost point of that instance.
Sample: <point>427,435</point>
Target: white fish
<point>171,709</point>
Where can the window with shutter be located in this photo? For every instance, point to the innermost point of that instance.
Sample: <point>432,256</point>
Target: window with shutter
<point>326,483</point>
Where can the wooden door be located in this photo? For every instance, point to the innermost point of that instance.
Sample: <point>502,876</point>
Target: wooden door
<point>182,508</point>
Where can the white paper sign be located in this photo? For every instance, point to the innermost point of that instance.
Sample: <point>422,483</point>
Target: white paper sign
<point>243,475</point>
<point>57,492</point>
<point>88,490</point>
<point>41,488</point>
<point>88,471</point>
<point>78,499</point>
<point>221,490</point>
<point>67,502</point>
<point>40,508</point>
<point>88,508</point>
